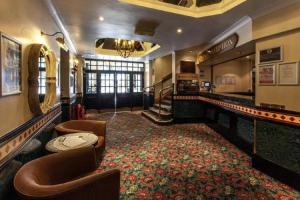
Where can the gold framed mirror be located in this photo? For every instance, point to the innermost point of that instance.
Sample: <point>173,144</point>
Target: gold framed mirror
<point>41,79</point>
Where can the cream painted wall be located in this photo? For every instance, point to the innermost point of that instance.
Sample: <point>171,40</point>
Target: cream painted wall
<point>185,55</point>
<point>286,24</point>
<point>277,22</point>
<point>23,20</point>
<point>241,70</point>
<point>281,95</point>
<point>147,75</point>
<point>206,73</point>
<point>161,67</point>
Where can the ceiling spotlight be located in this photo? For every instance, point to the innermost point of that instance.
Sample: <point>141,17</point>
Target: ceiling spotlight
<point>60,40</point>
<point>179,30</point>
<point>101,18</point>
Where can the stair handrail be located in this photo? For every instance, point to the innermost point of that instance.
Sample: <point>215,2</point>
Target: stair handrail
<point>160,96</point>
<point>164,79</point>
<point>150,91</point>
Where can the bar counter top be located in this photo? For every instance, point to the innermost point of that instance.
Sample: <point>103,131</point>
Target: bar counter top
<point>226,97</point>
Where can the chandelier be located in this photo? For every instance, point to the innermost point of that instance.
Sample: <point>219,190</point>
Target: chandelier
<point>125,48</point>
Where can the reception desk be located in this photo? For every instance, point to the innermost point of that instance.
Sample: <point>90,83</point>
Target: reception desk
<point>270,137</point>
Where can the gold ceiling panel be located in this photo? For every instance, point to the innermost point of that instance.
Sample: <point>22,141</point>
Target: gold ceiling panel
<point>193,9</point>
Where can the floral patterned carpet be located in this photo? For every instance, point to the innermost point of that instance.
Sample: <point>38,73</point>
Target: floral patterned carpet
<point>184,161</point>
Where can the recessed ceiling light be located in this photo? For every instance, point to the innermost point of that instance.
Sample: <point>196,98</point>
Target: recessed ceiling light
<point>101,18</point>
<point>179,30</point>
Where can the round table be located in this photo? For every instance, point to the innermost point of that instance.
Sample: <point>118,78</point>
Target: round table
<point>71,141</point>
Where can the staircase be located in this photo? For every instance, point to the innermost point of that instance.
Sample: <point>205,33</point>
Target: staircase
<point>159,112</point>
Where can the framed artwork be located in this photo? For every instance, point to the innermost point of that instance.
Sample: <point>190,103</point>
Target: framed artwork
<point>270,55</point>
<point>11,65</point>
<point>288,73</point>
<point>267,75</point>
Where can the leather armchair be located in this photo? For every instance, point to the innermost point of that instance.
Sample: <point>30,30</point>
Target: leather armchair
<point>67,175</point>
<point>96,127</point>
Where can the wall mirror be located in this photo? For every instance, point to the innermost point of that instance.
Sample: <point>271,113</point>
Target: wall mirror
<point>41,79</point>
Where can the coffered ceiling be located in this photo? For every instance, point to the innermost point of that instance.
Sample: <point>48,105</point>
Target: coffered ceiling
<point>81,19</point>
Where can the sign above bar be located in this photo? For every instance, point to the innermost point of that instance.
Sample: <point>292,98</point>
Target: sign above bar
<point>227,44</point>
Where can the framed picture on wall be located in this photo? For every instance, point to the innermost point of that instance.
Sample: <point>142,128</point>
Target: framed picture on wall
<point>267,75</point>
<point>270,55</point>
<point>288,73</point>
<point>11,65</point>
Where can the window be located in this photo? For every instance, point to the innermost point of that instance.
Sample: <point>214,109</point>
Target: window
<point>91,83</point>
<point>137,83</point>
<point>42,75</point>
<point>123,84</point>
<point>107,83</point>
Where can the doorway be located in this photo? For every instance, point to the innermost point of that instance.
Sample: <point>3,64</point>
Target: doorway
<point>113,84</point>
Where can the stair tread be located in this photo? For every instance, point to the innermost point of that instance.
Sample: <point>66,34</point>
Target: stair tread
<point>162,112</point>
<point>166,107</point>
<point>155,118</point>
<point>166,102</point>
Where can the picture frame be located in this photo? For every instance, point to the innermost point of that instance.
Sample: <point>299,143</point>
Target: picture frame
<point>267,74</point>
<point>271,55</point>
<point>10,66</point>
<point>288,73</point>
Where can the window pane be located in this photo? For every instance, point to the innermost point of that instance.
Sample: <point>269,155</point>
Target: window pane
<point>91,83</point>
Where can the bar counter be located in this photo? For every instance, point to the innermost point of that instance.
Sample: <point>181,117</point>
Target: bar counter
<point>263,134</point>
<point>222,112</point>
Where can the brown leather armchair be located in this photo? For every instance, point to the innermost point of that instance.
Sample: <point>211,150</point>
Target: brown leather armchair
<point>67,175</point>
<point>75,126</point>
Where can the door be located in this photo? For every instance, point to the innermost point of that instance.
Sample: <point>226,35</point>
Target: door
<point>123,90</point>
<point>106,94</point>
<point>137,89</point>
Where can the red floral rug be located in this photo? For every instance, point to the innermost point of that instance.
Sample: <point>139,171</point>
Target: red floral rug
<point>186,161</point>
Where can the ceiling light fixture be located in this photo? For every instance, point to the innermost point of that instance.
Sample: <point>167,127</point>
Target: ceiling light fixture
<point>101,18</point>
<point>60,40</point>
<point>179,30</point>
<point>125,48</point>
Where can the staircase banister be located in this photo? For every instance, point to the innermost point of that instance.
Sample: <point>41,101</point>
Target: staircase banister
<point>164,79</point>
<point>169,87</point>
<point>160,95</point>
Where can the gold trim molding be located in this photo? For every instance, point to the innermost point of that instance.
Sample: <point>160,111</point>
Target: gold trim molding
<point>193,11</point>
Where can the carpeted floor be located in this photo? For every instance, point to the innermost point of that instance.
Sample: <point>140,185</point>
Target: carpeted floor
<point>187,161</point>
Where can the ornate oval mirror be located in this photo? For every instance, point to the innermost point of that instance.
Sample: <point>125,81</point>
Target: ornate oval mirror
<point>41,79</point>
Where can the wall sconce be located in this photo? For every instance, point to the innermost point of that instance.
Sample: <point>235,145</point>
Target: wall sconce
<point>60,40</point>
<point>76,61</point>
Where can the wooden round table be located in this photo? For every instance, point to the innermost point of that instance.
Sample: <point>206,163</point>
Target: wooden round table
<point>71,141</point>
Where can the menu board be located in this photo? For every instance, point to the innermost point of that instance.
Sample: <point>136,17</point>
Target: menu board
<point>288,73</point>
<point>267,74</point>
